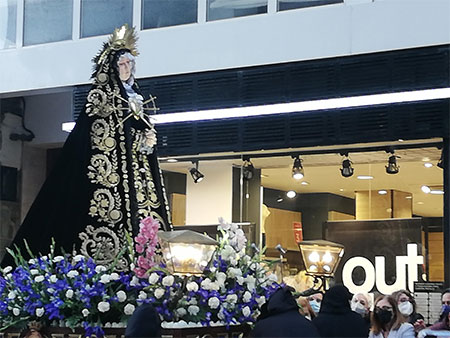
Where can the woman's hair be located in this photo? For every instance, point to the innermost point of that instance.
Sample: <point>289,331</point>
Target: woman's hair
<point>398,294</point>
<point>397,318</point>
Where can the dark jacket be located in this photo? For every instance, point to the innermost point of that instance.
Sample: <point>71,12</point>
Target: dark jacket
<point>282,318</point>
<point>336,319</point>
<point>144,323</point>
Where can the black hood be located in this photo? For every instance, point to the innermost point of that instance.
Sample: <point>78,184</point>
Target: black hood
<point>336,300</point>
<point>281,301</point>
<point>144,323</point>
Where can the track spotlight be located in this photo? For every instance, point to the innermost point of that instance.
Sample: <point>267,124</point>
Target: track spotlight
<point>440,163</point>
<point>247,169</point>
<point>347,169</point>
<point>297,168</point>
<point>197,176</point>
<point>392,167</point>
<point>279,199</point>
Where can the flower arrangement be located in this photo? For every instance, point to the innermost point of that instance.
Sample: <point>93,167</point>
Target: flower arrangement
<point>73,291</point>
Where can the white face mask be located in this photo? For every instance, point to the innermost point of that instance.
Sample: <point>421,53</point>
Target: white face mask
<point>358,308</point>
<point>405,308</point>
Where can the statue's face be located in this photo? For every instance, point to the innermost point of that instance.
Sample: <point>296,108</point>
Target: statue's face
<point>125,66</point>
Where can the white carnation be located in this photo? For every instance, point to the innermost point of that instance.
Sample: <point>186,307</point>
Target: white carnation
<point>232,298</point>
<point>69,293</point>
<point>221,278</point>
<point>105,279</point>
<point>16,311</point>
<point>154,277</point>
<point>114,276</point>
<point>205,283</point>
<point>142,295</point>
<point>192,286</point>
<point>247,296</point>
<point>213,302</point>
<point>53,278</point>
<point>214,286</point>
<point>39,279</point>
<point>40,311</point>
<point>103,306</point>
<point>159,292</point>
<point>129,309</point>
<point>193,310</point>
<point>168,281</point>
<point>134,281</point>
<point>261,300</point>
<point>181,312</point>
<point>121,296</point>
<point>246,311</point>
<point>85,312</point>
<point>72,274</point>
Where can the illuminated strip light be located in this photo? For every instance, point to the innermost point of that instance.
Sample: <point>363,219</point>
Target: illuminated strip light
<point>286,108</point>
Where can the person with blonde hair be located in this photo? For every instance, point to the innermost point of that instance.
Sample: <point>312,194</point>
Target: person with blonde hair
<point>388,322</point>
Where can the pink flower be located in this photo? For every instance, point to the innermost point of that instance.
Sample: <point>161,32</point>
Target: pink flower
<point>146,242</point>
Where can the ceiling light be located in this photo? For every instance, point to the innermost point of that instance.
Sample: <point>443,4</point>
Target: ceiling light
<point>437,192</point>
<point>248,169</point>
<point>304,183</point>
<point>297,168</point>
<point>428,165</point>
<point>347,169</point>
<point>392,167</point>
<point>172,160</point>
<point>279,199</point>
<point>364,177</point>
<point>197,176</point>
<point>291,194</point>
<point>382,192</point>
<point>420,203</point>
<point>409,197</point>
<point>426,189</point>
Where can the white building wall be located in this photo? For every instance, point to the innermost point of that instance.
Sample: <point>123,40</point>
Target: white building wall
<point>353,27</point>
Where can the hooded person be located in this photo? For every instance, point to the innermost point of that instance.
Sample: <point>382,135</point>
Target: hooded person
<point>336,319</point>
<point>144,323</point>
<point>281,318</point>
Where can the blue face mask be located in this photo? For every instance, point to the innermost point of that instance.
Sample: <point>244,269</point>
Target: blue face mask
<point>445,310</point>
<point>315,305</point>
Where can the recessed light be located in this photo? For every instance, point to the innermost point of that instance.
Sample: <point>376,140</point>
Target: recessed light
<point>172,160</point>
<point>304,183</point>
<point>364,177</point>
<point>420,203</point>
<point>426,189</point>
<point>341,189</point>
<point>382,192</point>
<point>409,197</point>
<point>428,165</point>
<point>291,194</point>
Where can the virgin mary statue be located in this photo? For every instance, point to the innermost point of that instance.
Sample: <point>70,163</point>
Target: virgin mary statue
<point>107,178</point>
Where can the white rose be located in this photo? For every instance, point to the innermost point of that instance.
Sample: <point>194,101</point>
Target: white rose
<point>232,298</point>
<point>159,292</point>
<point>34,271</point>
<point>214,286</point>
<point>221,277</point>
<point>142,295</point>
<point>105,279</point>
<point>100,268</point>
<point>53,278</point>
<point>246,311</point>
<point>69,293</point>
<point>103,306</point>
<point>114,276</point>
<point>247,296</point>
<point>134,281</point>
<point>11,295</point>
<point>58,259</point>
<point>85,312</point>
<point>261,300</point>
<point>192,286</point>
<point>121,296</point>
<point>39,279</point>
<point>8,269</point>
<point>213,302</point>
<point>205,283</point>
<point>40,311</point>
<point>193,310</point>
<point>129,309</point>
<point>77,259</point>
<point>168,281</point>
<point>181,312</point>
<point>154,277</point>
<point>72,274</point>
<point>16,311</point>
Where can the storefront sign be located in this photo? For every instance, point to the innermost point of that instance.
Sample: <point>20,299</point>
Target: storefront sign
<point>375,275</point>
<point>298,231</point>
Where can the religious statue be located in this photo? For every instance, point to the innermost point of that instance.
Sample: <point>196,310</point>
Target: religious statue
<point>107,178</point>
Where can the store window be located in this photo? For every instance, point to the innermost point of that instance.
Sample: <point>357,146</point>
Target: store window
<point>94,22</point>
<point>163,13</point>
<point>284,5</point>
<point>47,21</point>
<point>224,9</point>
<point>8,13</point>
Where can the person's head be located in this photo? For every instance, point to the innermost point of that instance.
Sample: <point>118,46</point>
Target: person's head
<point>361,303</point>
<point>445,312</point>
<point>125,66</point>
<point>385,314</point>
<point>34,330</point>
<point>144,323</point>
<point>306,309</point>
<point>315,301</point>
<point>405,302</point>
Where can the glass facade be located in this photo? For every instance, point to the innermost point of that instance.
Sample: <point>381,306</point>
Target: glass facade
<point>224,9</point>
<point>8,14</point>
<point>163,13</point>
<point>284,5</point>
<point>47,21</point>
<point>94,22</point>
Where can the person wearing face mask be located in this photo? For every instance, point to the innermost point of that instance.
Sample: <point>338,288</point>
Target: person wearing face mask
<point>361,303</point>
<point>407,307</point>
<point>335,318</point>
<point>388,322</point>
<point>314,301</point>
<point>444,318</point>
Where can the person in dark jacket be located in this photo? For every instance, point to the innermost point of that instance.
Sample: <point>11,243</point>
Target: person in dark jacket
<point>282,318</point>
<point>144,323</point>
<point>336,319</point>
